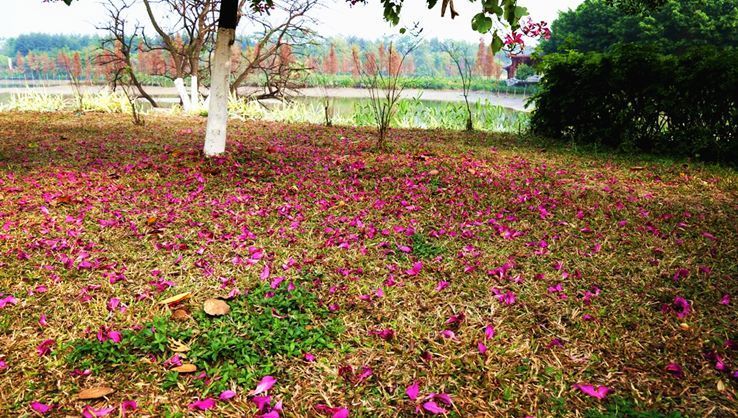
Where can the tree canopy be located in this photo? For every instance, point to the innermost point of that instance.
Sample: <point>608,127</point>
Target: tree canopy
<point>597,25</point>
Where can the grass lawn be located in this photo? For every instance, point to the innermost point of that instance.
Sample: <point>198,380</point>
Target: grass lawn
<point>475,274</point>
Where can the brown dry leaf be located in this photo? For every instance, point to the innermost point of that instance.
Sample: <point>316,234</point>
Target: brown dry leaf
<point>636,168</point>
<point>176,298</point>
<point>151,220</point>
<point>216,307</point>
<point>185,368</point>
<point>433,172</point>
<point>94,393</point>
<point>180,315</point>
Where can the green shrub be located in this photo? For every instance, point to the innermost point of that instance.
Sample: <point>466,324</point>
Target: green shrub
<point>524,71</point>
<point>635,98</point>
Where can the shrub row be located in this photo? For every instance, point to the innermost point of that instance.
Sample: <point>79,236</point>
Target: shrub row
<point>637,99</point>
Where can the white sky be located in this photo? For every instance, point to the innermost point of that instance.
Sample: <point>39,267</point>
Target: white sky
<point>337,17</point>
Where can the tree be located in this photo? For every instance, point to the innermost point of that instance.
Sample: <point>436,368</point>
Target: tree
<point>331,62</point>
<point>384,87</point>
<point>481,57</point>
<point>288,26</point>
<point>20,65</point>
<point>465,68</point>
<point>215,136</point>
<point>117,49</point>
<point>504,10</point>
<point>674,26</point>
<point>355,61</point>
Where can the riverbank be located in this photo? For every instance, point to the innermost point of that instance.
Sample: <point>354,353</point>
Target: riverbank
<point>169,94</point>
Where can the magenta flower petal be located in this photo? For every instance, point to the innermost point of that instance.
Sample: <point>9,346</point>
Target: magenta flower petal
<point>226,395</point>
<point>340,413</point>
<point>90,412</point>
<point>41,408</point>
<point>489,332</point>
<point>433,408</point>
<point>202,404</point>
<point>597,392</point>
<point>264,385</point>
<point>44,348</point>
<point>261,402</point>
<point>675,370</point>
<point>412,391</point>
<point>129,405</point>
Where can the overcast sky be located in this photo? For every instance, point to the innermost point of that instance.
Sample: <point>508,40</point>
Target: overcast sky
<point>337,17</point>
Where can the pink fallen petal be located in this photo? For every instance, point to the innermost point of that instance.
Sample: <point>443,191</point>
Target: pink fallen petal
<point>44,348</point>
<point>3,365</point>
<point>309,357</point>
<point>261,402</point>
<point>41,408</point>
<point>202,404</point>
<point>489,332</point>
<point>90,412</point>
<point>126,406</point>
<point>412,391</point>
<point>433,408</point>
<point>481,347</point>
<point>447,333</point>
<point>599,392</point>
<point>271,414</point>
<point>115,336</point>
<point>264,273</point>
<point>675,370</point>
<point>226,395</point>
<point>8,300</point>
<point>264,385</point>
<point>340,413</point>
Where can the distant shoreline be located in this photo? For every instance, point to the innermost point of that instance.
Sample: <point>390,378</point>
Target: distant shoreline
<point>515,102</point>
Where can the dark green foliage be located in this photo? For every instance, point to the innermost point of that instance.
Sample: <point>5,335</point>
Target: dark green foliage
<point>668,26</point>
<point>43,42</point>
<point>241,346</point>
<point>524,71</point>
<point>636,98</point>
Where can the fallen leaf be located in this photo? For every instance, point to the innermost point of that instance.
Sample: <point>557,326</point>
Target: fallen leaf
<point>185,368</point>
<point>216,307</point>
<point>180,315</point>
<point>94,393</point>
<point>176,298</point>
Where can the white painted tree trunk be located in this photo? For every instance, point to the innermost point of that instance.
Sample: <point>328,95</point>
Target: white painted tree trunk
<point>215,137</point>
<point>182,91</point>
<point>194,96</point>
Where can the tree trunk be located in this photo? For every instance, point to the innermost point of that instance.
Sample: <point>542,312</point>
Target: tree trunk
<point>215,137</point>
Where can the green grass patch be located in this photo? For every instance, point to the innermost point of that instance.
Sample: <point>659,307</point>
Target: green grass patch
<point>240,347</point>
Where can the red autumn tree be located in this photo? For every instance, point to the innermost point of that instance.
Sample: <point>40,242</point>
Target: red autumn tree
<point>20,64</point>
<point>393,62</point>
<point>76,68</point>
<point>370,63</point>
<point>481,58</point>
<point>355,61</point>
<point>331,61</point>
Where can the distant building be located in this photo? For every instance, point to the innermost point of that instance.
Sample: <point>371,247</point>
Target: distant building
<point>516,60</point>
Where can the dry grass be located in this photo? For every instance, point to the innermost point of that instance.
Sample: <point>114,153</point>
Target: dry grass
<point>95,188</point>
